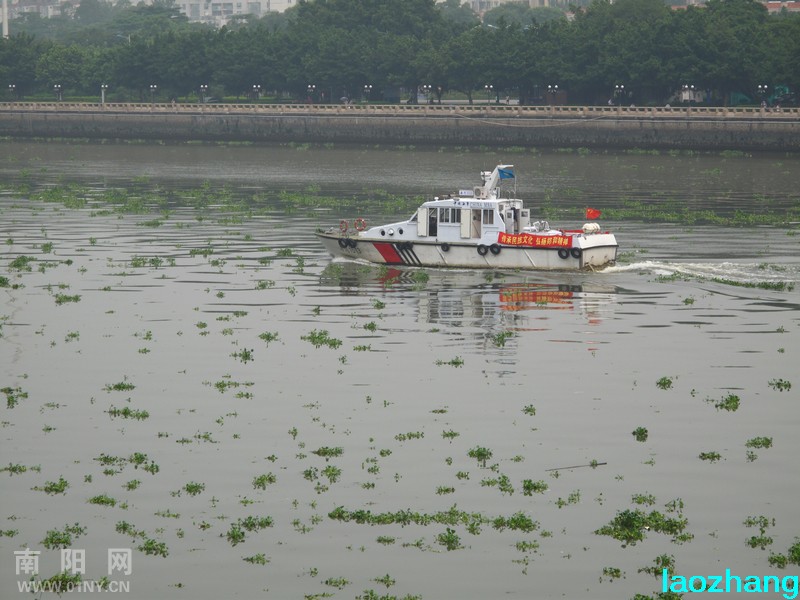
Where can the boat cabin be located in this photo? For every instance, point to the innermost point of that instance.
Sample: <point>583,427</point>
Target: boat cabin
<point>468,217</point>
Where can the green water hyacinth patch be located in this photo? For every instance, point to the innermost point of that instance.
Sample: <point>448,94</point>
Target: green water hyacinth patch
<point>632,526</point>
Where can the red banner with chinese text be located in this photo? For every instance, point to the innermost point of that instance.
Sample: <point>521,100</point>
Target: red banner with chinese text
<point>535,241</point>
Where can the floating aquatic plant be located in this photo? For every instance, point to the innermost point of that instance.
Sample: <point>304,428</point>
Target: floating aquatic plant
<point>66,298</point>
<point>54,487</point>
<point>21,263</point>
<point>661,562</point>
<point>499,339</point>
<point>780,385</point>
<point>321,338</point>
<point>269,336</point>
<point>103,500</point>
<point>530,487</point>
<point>631,526</point>
<point>193,488</point>
<point>154,548</point>
<point>455,362</point>
<point>261,482</point>
<point>328,453</point>
<point>449,539</point>
<point>121,386</point>
<point>257,559</point>
<point>710,456</point>
<point>664,383</point>
<point>13,395</point>
<point>62,538</point>
<point>729,403</point>
<point>128,413</point>
<point>243,355</point>
<point>759,442</point>
<point>480,454</point>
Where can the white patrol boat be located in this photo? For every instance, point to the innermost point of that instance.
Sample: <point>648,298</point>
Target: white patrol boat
<point>476,228</point>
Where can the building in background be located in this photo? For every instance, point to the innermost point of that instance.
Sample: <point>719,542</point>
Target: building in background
<point>219,12</point>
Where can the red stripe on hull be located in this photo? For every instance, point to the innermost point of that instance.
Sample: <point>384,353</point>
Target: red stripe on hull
<point>388,253</point>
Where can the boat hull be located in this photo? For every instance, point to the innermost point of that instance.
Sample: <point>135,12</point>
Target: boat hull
<point>591,252</point>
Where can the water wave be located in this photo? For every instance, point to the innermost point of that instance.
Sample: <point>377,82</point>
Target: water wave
<point>746,273</point>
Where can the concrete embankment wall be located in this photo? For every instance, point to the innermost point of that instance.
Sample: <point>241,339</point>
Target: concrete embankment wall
<point>613,129</point>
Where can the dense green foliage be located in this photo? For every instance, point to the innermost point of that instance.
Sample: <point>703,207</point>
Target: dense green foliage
<point>339,46</point>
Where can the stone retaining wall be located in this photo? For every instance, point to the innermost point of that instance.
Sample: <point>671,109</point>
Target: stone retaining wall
<point>500,126</point>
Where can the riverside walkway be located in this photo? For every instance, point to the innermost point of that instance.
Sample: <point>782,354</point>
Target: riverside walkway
<point>743,128</point>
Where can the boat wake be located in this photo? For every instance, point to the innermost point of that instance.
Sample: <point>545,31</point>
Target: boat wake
<point>740,273</point>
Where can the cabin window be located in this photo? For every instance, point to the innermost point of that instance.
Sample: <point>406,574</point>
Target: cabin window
<point>488,217</point>
<point>449,215</point>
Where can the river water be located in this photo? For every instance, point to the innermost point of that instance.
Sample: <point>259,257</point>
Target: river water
<point>188,375</point>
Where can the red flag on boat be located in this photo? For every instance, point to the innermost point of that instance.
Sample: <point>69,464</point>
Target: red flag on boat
<point>592,213</point>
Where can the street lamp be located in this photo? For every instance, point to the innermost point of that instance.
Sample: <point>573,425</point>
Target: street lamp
<point>488,87</point>
<point>426,89</point>
<point>256,91</point>
<point>762,91</point>
<point>12,90</point>
<point>552,90</point>
<point>688,93</point>
<point>203,91</point>
<point>367,91</point>
<point>153,88</point>
<point>311,89</point>
<point>57,91</point>
<point>103,88</point>
<point>619,93</point>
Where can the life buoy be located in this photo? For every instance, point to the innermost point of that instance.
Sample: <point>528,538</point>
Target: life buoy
<point>576,252</point>
<point>445,247</point>
<point>563,253</point>
<point>343,243</point>
<point>482,250</point>
<point>360,224</point>
<point>495,248</point>
<point>343,225</point>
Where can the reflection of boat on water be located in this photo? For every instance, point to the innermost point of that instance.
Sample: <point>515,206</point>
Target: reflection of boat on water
<point>523,296</point>
<point>464,297</point>
<point>511,305</point>
<point>475,228</point>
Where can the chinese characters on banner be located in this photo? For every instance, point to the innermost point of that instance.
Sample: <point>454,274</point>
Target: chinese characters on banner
<point>535,241</point>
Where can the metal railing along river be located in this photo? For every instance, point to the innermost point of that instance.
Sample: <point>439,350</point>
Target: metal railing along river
<point>420,110</point>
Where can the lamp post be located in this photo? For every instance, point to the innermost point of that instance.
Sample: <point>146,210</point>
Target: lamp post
<point>488,87</point>
<point>203,91</point>
<point>311,89</point>
<point>426,89</point>
<point>552,90</point>
<point>12,90</point>
<point>103,88</point>
<point>57,90</point>
<point>688,93</point>
<point>256,92</point>
<point>762,92</point>
<point>153,88</point>
<point>619,93</point>
<point>367,92</point>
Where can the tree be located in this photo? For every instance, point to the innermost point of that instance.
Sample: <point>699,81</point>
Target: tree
<point>18,56</point>
<point>457,15</point>
<point>66,66</point>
